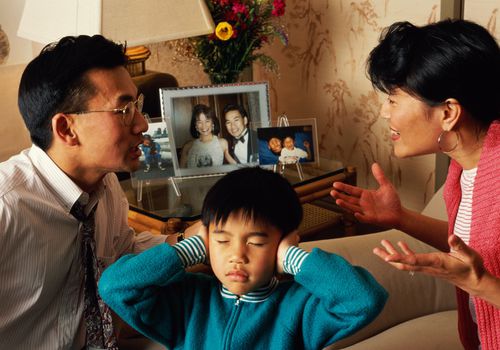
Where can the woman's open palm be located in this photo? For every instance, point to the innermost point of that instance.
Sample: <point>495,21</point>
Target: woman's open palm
<point>380,207</point>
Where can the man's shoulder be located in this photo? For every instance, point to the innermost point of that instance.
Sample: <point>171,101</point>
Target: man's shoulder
<point>111,183</point>
<point>15,172</point>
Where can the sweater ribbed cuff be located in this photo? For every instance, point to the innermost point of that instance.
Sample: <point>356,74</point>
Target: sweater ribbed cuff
<point>191,251</point>
<point>294,258</point>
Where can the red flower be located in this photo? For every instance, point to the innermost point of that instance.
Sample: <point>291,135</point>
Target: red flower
<point>224,2</point>
<point>239,8</point>
<point>278,8</point>
<point>230,16</point>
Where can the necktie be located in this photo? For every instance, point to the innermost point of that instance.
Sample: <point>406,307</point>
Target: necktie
<point>241,139</point>
<point>98,321</point>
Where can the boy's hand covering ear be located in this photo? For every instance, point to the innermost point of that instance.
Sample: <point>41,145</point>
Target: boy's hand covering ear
<point>203,233</point>
<point>193,229</point>
<point>291,239</point>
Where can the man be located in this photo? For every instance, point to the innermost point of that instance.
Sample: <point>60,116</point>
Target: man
<point>84,116</point>
<point>242,143</point>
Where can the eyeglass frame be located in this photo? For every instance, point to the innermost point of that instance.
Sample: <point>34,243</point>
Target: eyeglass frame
<point>137,105</point>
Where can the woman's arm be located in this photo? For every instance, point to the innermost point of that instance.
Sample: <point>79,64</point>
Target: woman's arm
<point>225,148</point>
<point>184,154</point>
<point>383,207</point>
<point>462,266</point>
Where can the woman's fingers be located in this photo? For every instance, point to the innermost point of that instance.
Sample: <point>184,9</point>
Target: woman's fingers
<point>379,175</point>
<point>348,189</point>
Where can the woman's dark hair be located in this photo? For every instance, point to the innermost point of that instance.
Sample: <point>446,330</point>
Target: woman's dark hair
<point>56,81</point>
<point>256,193</point>
<point>448,59</point>
<point>209,113</point>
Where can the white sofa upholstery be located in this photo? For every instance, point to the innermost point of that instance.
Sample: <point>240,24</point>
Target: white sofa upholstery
<point>420,312</point>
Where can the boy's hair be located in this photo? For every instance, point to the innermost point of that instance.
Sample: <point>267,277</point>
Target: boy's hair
<point>209,113</point>
<point>56,81</point>
<point>448,59</point>
<point>258,194</point>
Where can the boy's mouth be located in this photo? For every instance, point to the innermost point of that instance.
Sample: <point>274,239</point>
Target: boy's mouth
<point>237,275</point>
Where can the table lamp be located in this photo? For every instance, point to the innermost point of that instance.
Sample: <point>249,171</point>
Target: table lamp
<point>131,21</point>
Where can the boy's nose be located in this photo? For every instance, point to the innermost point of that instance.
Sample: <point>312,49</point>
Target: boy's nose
<point>239,255</point>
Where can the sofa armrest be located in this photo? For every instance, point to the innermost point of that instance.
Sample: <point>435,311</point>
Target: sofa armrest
<point>409,296</point>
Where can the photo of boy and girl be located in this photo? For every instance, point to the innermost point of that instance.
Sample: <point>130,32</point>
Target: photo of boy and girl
<point>209,148</point>
<point>285,145</point>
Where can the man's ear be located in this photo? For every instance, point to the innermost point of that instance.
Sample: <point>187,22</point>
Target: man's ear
<point>63,129</point>
<point>245,121</point>
<point>452,112</point>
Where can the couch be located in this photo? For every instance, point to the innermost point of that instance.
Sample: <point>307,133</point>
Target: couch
<point>420,312</point>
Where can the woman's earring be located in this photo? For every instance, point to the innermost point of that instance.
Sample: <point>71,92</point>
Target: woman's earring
<point>441,140</point>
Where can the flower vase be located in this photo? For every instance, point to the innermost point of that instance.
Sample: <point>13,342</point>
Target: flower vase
<point>231,76</point>
<point>224,78</point>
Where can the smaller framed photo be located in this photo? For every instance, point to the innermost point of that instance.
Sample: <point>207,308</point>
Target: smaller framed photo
<point>156,157</point>
<point>290,144</point>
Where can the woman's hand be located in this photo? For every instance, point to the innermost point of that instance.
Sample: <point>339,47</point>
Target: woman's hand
<point>380,207</point>
<point>462,266</point>
<point>292,239</point>
<point>225,148</point>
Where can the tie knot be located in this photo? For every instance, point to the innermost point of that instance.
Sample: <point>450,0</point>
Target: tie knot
<point>78,211</point>
<point>241,139</point>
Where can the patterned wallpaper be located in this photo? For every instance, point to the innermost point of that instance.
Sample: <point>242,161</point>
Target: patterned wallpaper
<point>322,76</point>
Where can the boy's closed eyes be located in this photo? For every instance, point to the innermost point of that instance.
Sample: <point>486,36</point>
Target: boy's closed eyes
<point>242,252</point>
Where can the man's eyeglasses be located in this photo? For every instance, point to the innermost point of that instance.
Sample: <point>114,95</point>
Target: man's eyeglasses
<point>127,113</point>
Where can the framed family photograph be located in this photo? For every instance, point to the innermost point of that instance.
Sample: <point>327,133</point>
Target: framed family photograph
<point>290,144</point>
<point>209,126</point>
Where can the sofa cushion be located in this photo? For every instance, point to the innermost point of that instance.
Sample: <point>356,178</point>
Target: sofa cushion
<point>410,297</point>
<point>426,332</point>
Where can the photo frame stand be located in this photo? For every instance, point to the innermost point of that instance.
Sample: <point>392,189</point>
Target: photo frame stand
<point>282,122</point>
<point>174,179</point>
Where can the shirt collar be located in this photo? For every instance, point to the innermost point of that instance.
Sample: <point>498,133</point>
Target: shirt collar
<point>257,296</point>
<point>64,189</point>
<point>243,134</point>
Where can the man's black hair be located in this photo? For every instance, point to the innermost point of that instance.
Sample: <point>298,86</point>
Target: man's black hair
<point>56,81</point>
<point>448,59</point>
<point>258,194</point>
<point>234,107</point>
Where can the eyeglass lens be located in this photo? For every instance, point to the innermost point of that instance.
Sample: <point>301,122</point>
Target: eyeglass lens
<point>131,108</point>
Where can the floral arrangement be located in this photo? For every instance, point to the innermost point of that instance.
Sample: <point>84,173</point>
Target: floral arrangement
<point>242,27</point>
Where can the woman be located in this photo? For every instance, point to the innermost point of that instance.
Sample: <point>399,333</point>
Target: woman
<point>443,82</point>
<point>206,149</point>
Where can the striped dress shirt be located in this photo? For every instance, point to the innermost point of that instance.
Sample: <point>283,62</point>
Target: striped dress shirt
<point>41,276</point>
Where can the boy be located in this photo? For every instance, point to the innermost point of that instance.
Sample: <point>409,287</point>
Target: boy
<point>246,237</point>
<point>152,153</point>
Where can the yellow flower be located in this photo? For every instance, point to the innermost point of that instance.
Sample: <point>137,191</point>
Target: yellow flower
<point>224,31</point>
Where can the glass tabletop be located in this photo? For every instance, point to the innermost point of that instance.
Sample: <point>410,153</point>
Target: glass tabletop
<point>160,199</point>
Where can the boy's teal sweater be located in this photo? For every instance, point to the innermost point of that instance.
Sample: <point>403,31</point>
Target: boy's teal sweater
<point>328,300</point>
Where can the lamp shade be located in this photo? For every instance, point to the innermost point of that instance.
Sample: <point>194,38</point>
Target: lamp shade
<point>136,22</point>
